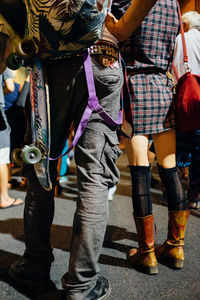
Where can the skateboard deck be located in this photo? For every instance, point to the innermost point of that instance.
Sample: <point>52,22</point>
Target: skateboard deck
<point>40,122</point>
<point>38,152</point>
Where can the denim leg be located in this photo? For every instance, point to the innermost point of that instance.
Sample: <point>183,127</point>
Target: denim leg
<point>194,169</point>
<point>95,155</point>
<point>96,171</point>
<point>39,204</point>
<point>37,224</point>
<point>195,163</point>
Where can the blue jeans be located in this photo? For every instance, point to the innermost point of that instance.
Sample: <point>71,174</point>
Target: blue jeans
<point>95,156</point>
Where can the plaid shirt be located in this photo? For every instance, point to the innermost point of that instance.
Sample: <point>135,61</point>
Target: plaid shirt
<point>152,44</point>
<point>151,47</point>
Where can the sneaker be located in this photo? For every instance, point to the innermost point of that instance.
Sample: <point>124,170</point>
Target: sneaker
<point>37,282</point>
<point>194,196</point>
<point>194,205</point>
<point>111,192</point>
<point>101,290</point>
<point>63,179</point>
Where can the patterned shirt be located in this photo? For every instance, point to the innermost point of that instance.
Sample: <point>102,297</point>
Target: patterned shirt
<point>61,27</point>
<point>192,40</point>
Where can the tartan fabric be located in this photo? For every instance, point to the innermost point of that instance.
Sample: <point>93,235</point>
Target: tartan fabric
<point>151,99</point>
<point>151,46</point>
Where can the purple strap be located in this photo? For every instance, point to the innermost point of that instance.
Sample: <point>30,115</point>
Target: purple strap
<point>93,105</point>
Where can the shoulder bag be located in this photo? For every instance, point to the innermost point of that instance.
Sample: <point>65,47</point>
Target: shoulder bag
<point>187,96</point>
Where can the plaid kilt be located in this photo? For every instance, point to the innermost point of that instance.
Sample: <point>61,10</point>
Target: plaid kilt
<point>151,103</point>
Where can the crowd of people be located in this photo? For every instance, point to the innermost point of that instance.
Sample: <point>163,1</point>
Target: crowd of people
<point>188,154</point>
<point>145,35</point>
<point>6,87</point>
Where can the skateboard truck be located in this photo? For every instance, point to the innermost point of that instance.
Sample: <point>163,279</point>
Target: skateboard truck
<point>23,56</point>
<point>37,153</point>
<point>29,154</point>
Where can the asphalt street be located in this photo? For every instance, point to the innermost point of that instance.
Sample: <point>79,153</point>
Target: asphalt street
<point>127,283</point>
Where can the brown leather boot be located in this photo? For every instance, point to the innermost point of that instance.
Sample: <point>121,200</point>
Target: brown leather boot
<point>144,257</point>
<point>172,250</point>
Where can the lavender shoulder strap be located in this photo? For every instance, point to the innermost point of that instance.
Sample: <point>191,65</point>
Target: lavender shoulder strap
<point>93,105</point>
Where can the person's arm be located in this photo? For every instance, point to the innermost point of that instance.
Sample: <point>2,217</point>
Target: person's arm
<point>8,81</point>
<point>9,86</point>
<point>5,47</point>
<point>130,20</point>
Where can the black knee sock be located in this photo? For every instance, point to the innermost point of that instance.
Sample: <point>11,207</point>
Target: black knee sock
<point>141,194</point>
<point>175,191</point>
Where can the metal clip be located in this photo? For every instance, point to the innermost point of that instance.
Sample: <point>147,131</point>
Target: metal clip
<point>187,68</point>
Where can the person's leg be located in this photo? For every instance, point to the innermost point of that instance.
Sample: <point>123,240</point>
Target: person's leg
<point>5,47</point>
<point>194,173</point>
<point>144,258</point>
<point>136,150</point>
<point>34,271</point>
<point>165,146</point>
<point>152,159</point>
<point>95,156</point>
<point>5,199</point>
<point>9,175</point>
<point>172,249</point>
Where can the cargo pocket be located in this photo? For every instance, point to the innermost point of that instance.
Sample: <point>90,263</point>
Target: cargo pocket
<point>110,155</point>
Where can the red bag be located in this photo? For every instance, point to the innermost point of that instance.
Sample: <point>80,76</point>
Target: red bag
<point>187,103</point>
<point>187,97</point>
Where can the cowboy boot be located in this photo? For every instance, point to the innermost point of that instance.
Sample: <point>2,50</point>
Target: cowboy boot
<point>172,250</point>
<point>144,257</point>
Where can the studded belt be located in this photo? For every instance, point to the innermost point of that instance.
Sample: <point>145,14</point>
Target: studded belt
<point>106,52</point>
<point>105,48</point>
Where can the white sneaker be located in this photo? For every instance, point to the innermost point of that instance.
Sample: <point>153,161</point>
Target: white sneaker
<point>63,179</point>
<point>111,192</point>
<point>195,205</point>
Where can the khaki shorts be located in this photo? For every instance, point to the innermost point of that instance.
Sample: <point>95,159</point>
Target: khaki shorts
<point>5,156</point>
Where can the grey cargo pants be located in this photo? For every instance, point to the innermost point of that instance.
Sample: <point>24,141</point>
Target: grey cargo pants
<point>95,156</point>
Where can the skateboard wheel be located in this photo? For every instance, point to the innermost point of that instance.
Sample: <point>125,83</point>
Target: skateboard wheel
<point>14,61</point>
<point>16,156</point>
<point>26,49</point>
<point>31,155</point>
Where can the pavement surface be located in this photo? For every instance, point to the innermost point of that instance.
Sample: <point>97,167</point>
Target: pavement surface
<point>127,283</point>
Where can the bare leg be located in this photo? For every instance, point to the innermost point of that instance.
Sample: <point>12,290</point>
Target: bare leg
<point>136,150</point>
<point>165,146</point>
<point>5,200</point>
<point>9,176</point>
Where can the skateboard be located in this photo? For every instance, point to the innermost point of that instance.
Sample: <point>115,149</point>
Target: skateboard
<point>37,153</point>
